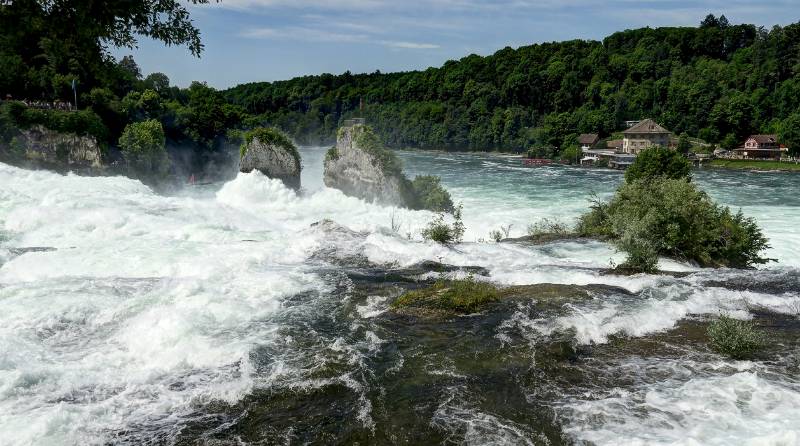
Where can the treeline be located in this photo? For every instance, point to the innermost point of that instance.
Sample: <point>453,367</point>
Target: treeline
<point>719,82</point>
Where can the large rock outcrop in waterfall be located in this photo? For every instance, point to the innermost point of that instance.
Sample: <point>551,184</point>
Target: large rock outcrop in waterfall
<point>361,167</point>
<point>273,154</point>
<point>41,144</point>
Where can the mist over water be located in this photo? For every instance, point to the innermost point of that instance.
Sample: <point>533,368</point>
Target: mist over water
<point>146,310</point>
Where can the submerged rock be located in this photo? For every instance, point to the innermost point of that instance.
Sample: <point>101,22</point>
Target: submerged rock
<point>360,167</point>
<point>20,251</point>
<point>52,147</point>
<point>273,154</point>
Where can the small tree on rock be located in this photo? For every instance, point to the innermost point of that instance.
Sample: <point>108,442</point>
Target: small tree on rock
<point>142,145</point>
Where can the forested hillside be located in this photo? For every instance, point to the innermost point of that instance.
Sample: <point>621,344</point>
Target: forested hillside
<point>719,82</point>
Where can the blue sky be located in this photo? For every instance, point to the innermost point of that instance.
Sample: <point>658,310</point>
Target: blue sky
<point>266,40</point>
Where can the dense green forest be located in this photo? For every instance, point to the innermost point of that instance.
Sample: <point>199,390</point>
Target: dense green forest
<point>719,82</point>
<point>46,46</point>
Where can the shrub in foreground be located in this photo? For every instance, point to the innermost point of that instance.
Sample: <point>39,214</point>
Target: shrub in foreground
<point>441,232</point>
<point>735,338</point>
<point>548,226</point>
<point>499,234</point>
<point>672,218</point>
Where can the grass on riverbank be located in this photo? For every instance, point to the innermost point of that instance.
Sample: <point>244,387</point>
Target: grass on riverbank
<point>754,165</point>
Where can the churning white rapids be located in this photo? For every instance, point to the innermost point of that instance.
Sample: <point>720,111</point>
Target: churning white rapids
<point>146,306</point>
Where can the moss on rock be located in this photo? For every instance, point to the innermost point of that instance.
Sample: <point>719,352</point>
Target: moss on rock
<point>460,296</point>
<point>332,154</point>
<point>447,298</point>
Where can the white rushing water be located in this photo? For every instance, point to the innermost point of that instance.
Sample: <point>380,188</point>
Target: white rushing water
<point>148,305</point>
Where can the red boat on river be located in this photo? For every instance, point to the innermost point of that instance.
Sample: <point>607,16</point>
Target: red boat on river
<point>536,162</point>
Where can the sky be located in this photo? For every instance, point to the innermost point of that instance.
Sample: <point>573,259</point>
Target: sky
<point>268,40</point>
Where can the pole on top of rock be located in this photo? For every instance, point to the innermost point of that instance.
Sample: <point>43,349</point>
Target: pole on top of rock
<point>75,93</point>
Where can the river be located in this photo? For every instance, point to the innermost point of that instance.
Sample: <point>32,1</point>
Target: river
<point>222,314</point>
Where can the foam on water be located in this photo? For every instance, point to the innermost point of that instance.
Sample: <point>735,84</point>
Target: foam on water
<point>696,405</point>
<point>659,307</point>
<point>148,305</point>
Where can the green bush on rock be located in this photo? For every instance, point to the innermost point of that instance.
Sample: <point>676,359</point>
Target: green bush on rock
<point>441,232</point>
<point>82,122</point>
<point>735,338</point>
<point>658,212</point>
<point>674,219</point>
<point>332,154</point>
<point>366,139</point>
<point>361,165</point>
<point>424,192</point>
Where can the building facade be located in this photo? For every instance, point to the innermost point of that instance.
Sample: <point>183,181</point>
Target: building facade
<point>644,135</point>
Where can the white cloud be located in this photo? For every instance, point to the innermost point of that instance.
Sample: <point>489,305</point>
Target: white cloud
<point>409,45</point>
<point>300,4</point>
<point>303,34</point>
<point>318,35</point>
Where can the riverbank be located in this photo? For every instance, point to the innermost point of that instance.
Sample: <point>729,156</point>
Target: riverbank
<point>754,165</point>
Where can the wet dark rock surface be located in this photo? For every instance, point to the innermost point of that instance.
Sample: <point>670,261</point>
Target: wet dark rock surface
<point>767,281</point>
<point>357,372</point>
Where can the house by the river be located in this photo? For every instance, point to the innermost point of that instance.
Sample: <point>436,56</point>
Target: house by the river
<point>761,147</point>
<point>643,135</point>
<point>588,141</point>
<point>621,153</point>
<point>592,150</point>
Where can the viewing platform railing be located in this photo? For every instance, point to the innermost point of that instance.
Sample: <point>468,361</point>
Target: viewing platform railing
<point>43,105</point>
